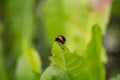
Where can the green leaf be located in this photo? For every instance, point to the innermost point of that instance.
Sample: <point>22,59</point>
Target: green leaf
<point>53,18</point>
<point>77,68</point>
<point>115,11</point>
<point>2,68</point>
<point>71,63</point>
<point>74,19</point>
<point>20,18</point>
<point>54,73</point>
<point>28,64</point>
<point>37,76</point>
<point>93,55</point>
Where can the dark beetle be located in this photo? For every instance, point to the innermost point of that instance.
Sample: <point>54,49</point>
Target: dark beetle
<point>60,39</point>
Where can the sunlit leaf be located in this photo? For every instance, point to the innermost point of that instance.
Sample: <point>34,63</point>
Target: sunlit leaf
<point>93,55</point>
<point>74,19</point>
<point>77,68</point>
<point>71,63</point>
<point>54,73</point>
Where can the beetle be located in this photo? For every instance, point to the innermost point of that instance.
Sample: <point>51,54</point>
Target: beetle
<point>60,39</point>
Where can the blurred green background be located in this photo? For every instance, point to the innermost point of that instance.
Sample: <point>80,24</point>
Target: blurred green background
<point>28,29</point>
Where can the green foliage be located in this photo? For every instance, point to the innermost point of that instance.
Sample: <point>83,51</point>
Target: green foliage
<point>37,76</point>
<point>74,19</point>
<point>21,23</point>
<point>54,73</point>
<point>2,69</point>
<point>117,77</point>
<point>53,18</point>
<point>76,67</point>
<point>115,6</point>
<point>20,19</point>
<point>28,65</point>
<point>93,55</point>
<point>69,62</point>
<point>80,60</point>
